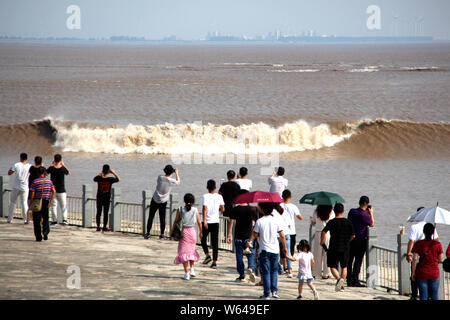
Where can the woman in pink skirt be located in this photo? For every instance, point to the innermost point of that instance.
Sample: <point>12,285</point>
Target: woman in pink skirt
<point>187,254</point>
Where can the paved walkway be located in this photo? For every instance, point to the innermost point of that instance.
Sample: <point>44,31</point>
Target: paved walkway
<point>125,266</point>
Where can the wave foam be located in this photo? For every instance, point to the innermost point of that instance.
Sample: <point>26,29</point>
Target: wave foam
<point>196,138</point>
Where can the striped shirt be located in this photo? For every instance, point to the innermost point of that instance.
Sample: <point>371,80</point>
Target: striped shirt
<point>40,193</point>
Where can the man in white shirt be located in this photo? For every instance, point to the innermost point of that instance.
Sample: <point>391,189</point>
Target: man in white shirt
<point>266,229</point>
<point>242,179</point>
<point>416,234</point>
<point>290,213</point>
<point>278,182</point>
<point>20,187</point>
<point>212,204</point>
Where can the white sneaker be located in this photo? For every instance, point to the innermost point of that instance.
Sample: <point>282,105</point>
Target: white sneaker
<point>192,273</point>
<point>251,275</point>
<point>339,285</point>
<point>275,295</point>
<point>316,295</point>
<point>289,275</point>
<point>186,276</point>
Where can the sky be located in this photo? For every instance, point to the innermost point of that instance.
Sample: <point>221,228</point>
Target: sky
<point>192,19</point>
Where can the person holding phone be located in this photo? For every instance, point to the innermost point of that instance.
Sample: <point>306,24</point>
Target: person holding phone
<point>104,182</point>
<point>160,198</point>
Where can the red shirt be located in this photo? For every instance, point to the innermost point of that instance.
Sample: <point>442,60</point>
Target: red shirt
<point>448,251</point>
<point>427,268</point>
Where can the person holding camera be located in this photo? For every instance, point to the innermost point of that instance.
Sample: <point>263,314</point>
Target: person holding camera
<point>361,218</point>
<point>160,198</point>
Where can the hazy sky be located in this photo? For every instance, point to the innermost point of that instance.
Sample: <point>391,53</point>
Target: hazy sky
<point>192,19</point>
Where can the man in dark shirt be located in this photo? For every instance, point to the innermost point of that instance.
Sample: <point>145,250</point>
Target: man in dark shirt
<point>58,171</point>
<point>245,217</point>
<point>104,194</point>
<point>341,233</point>
<point>229,190</point>
<point>361,218</point>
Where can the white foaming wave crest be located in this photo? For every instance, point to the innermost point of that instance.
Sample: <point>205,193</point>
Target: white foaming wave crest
<point>365,69</point>
<point>294,70</point>
<point>196,138</point>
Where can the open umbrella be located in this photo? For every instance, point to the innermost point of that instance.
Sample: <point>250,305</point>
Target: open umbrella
<point>432,215</point>
<point>322,198</point>
<point>258,196</point>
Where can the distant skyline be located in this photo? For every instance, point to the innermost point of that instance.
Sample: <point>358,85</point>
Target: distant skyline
<point>192,20</point>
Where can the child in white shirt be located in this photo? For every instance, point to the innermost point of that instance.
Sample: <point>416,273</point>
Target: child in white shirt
<point>305,265</point>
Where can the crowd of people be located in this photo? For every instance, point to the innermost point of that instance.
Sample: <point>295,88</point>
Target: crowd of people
<point>265,234</point>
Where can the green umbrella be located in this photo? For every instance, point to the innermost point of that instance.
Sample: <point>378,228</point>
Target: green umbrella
<point>322,197</point>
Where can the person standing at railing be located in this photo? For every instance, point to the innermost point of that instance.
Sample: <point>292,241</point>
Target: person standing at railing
<point>187,255</point>
<point>278,182</point>
<point>58,171</point>
<point>426,272</point>
<point>161,196</point>
<point>361,218</point>
<point>242,180</point>
<point>212,204</point>
<point>229,190</point>
<point>245,217</point>
<point>321,216</point>
<point>104,182</point>
<point>416,234</point>
<point>20,187</point>
<point>42,188</point>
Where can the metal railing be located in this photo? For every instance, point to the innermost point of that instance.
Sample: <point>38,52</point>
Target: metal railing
<point>75,210</point>
<point>387,263</point>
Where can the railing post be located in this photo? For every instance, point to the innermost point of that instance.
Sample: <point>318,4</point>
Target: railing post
<point>403,266</point>
<point>114,222</point>
<point>441,282</point>
<point>4,203</point>
<point>86,209</point>
<point>173,204</point>
<point>372,280</point>
<point>311,232</point>
<point>146,196</point>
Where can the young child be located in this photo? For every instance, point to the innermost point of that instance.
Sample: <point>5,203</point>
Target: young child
<point>305,266</point>
<point>187,254</point>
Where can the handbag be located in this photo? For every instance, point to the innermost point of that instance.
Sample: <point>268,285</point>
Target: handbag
<point>446,265</point>
<point>36,204</point>
<point>177,232</point>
